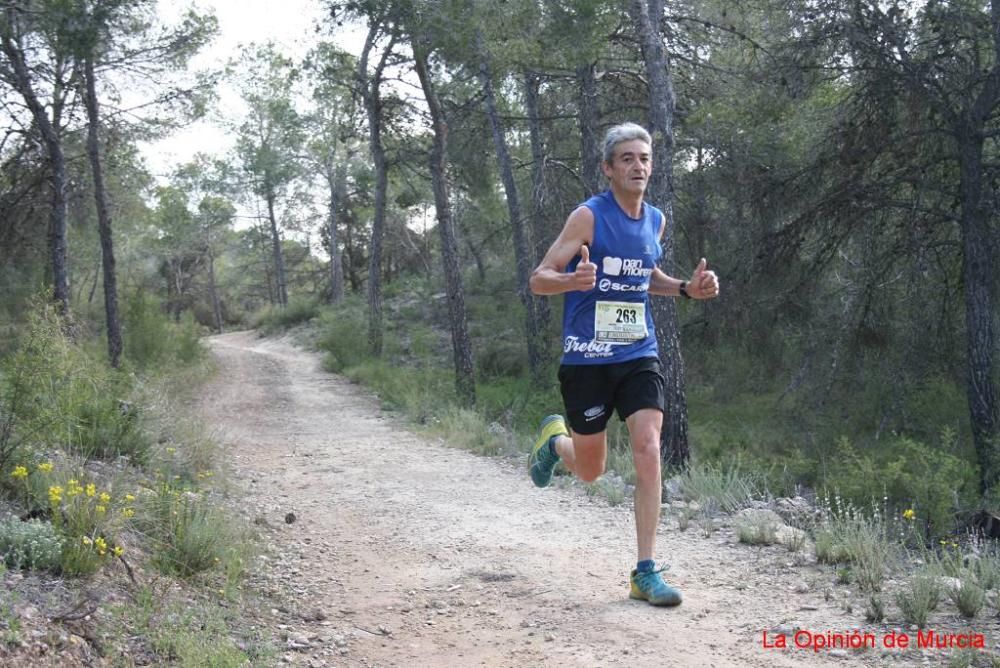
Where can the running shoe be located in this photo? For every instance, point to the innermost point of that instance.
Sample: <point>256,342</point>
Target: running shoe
<point>649,586</point>
<point>542,461</point>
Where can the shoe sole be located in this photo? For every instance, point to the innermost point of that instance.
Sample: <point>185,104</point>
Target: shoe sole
<point>636,594</point>
<point>664,604</point>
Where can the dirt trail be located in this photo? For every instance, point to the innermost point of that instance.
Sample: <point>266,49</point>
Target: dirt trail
<point>429,556</point>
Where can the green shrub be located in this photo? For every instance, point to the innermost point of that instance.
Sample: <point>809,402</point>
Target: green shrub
<point>88,518</point>
<point>757,529</point>
<point>344,335</point>
<point>55,395</point>
<point>875,609</point>
<point>918,599</point>
<point>910,474</point>
<point>34,545</point>
<point>152,339</point>
<point>968,596</point>
<point>867,540</point>
<point>272,319</point>
<point>188,534</point>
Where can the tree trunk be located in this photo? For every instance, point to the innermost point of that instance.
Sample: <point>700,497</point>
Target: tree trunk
<point>522,247</point>
<point>112,321</point>
<point>590,150</point>
<point>465,382</point>
<point>278,256</point>
<point>337,183</point>
<point>540,233</point>
<point>977,271</point>
<point>674,448</point>
<point>50,132</point>
<point>213,292</point>
<point>370,91</point>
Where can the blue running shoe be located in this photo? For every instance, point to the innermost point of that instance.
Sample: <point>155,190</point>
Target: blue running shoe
<point>649,586</point>
<point>542,461</point>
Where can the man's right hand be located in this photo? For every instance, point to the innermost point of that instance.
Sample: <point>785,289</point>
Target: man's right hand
<point>585,276</point>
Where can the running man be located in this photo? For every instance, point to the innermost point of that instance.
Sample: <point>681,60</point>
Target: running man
<point>605,261</point>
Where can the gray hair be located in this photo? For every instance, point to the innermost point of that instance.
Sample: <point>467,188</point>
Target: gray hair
<point>622,133</point>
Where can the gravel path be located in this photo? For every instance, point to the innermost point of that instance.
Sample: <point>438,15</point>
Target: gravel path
<point>405,552</point>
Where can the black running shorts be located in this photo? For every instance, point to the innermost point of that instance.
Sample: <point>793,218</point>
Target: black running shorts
<point>591,391</point>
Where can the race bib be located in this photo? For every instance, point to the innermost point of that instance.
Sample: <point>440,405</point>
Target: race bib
<point>619,322</point>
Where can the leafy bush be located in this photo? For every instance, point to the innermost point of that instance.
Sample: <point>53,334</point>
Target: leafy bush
<point>273,319</point>
<point>34,544</point>
<point>343,337</point>
<point>88,518</point>
<point>935,482</point>
<point>152,339</point>
<point>54,395</point>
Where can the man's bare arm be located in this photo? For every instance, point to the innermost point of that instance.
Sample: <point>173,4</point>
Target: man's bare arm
<point>550,277</point>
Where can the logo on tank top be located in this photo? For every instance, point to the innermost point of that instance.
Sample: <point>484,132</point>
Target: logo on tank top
<point>590,349</point>
<point>606,284</point>
<point>616,266</point>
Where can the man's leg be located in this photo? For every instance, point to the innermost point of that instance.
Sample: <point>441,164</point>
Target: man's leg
<point>646,583</point>
<point>644,433</point>
<point>584,455</point>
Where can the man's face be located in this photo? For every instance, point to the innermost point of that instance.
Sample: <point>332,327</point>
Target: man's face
<point>630,167</point>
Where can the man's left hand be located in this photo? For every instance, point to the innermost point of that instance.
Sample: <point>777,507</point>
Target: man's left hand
<point>704,284</point>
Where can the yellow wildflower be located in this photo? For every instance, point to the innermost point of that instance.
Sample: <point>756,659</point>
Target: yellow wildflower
<point>104,497</point>
<point>87,541</point>
<point>129,498</point>
<point>102,547</point>
<point>91,489</point>
<point>101,509</point>
<point>128,512</point>
<point>171,451</point>
<point>45,467</point>
<point>55,494</point>
<point>118,551</point>
<point>19,473</point>
<point>909,514</point>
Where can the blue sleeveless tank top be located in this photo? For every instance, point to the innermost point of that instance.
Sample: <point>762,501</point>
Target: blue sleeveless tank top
<point>613,322</point>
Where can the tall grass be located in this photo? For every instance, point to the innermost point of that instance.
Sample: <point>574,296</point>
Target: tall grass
<point>730,487</point>
<point>868,540</point>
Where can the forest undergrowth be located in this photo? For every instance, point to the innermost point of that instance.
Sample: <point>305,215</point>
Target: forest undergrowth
<point>119,542</point>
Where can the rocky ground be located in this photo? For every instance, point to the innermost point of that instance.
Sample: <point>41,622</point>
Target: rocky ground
<point>389,550</point>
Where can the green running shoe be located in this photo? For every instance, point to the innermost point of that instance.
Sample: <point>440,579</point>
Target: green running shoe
<point>649,586</point>
<point>541,461</point>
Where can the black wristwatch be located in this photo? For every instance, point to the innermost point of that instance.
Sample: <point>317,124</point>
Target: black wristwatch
<point>683,290</point>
